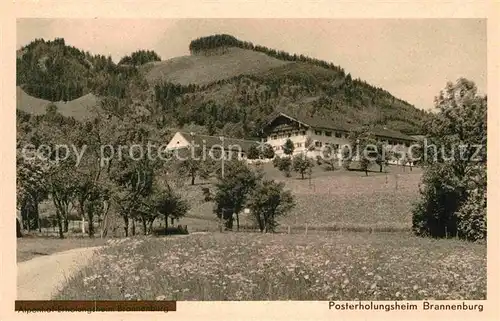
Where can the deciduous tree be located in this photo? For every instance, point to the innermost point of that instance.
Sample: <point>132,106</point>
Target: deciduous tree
<point>268,201</point>
<point>302,164</point>
<point>453,196</point>
<point>233,189</point>
<point>288,147</point>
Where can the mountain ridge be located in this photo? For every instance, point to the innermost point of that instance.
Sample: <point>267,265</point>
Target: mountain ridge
<point>224,89</point>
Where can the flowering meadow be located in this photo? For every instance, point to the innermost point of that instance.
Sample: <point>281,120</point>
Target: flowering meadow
<point>253,266</point>
<point>336,200</point>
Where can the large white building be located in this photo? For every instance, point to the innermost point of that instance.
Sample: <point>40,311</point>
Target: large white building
<point>237,148</point>
<point>320,132</point>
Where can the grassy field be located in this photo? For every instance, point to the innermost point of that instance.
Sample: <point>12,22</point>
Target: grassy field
<point>80,108</point>
<point>200,69</point>
<point>30,247</point>
<point>254,266</point>
<point>346,200</point>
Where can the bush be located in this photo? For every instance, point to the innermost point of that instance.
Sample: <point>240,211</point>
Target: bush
<point>284,164</point>
<point>472,216</point>
<point>276,161</point>
<point>253,152</point>
<point>434,214</point>
<point>268,151</point>
<point>207,196</point>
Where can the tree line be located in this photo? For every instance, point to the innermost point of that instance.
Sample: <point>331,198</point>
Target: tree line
<point>54,71</point>
<point>202,44</point>
<point>140,57</point>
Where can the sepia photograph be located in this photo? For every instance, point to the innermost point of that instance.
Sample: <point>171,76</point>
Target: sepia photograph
<point>252,160</point>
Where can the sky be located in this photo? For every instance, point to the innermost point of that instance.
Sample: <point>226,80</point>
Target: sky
<point>411,58</point>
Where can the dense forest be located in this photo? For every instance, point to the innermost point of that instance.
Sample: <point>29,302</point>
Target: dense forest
<point>140,57</point>
<point>236,106</point>
<point>53,71</point>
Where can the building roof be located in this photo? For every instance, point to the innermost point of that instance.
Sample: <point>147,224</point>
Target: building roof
<point>312,121</point>
<point>323,122</point>
<point>418,137</point>
<point>209,141</point>
<point>389,133</point>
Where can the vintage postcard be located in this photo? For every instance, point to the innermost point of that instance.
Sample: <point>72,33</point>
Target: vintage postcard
<point>260,166</point>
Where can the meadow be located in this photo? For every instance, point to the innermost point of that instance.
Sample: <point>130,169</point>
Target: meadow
<point>331,200</point>
<point>358,247</point>
<point>254,266</point>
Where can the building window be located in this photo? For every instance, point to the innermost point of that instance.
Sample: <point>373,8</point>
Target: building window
<point>303,132</point>
<point>318,144</point>
<point>317,132</point>
<point>274,137</point>
<point>407,144</point>
<point>329,134</point>
<point>289,135</point>
<point>338,134</point>
<point>298,145</point>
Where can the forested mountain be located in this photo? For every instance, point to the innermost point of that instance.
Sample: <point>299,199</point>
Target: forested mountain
<point>225,86</point>
<point>53,71</point>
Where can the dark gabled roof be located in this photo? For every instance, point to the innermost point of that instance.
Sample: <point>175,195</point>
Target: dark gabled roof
<point>312,121</point>
<point>418,137</point>
<point>209,141</point>
<point>389,133</point>
<point>325,123</point>
<point>322,122</point>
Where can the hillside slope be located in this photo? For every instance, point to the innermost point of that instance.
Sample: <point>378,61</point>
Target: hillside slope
<point>225,87</point>
<point>81,108</point>
<point>205,69</point>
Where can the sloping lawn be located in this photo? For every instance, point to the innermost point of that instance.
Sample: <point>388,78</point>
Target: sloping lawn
<point>251,266</point>
<point>336,200</point>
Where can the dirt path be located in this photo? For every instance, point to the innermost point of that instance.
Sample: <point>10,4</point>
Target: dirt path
<point>42,277</point>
